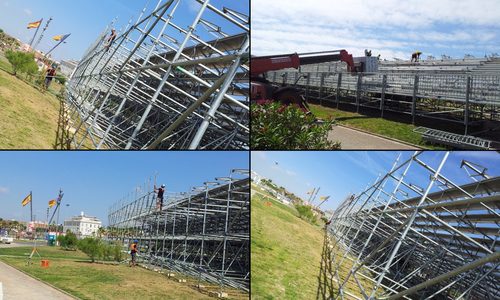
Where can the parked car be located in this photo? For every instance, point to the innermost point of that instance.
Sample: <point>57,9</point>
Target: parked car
<point>7,239</point>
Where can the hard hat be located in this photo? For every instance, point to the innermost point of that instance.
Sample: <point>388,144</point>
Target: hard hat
<point>136,241</point>
<point>162,185</point>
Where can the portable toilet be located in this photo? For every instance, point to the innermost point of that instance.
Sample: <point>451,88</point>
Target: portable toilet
<point>51,239</point>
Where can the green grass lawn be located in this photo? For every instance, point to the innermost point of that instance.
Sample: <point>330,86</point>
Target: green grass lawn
<point>28,118</point>
<point>291,259</point>
<point>286,252</point>
<point>396,130</point>
<point>72,272</point>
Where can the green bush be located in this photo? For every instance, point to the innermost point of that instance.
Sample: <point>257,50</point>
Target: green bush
<point>117,252</point>
<point>96,248</point>
<point>68,241</point>
<point>22,62</point>
<point>276,127</point>
<point>91,246</point>
<point>61,79</point>
<point>306,213</point>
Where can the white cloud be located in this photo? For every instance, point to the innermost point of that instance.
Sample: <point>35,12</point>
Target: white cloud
<point>290,173</point>
<point>388,27</point>
<point>260,154</point>
<point>28,11</point>
<point>3,190</point>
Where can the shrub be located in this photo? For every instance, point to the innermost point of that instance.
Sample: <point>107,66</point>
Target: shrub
<point>306,213</point>
<point>22,62</point>
<point>91,247</point>
<point>117,252</point>
<point>61,79</point>
<point>276,127</point>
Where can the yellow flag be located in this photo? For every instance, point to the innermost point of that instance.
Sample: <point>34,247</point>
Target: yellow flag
<point>35,24</point>
<point>60,37</point>
<point>324,198</point>
<point>52,203</point>
<point>26,200</point>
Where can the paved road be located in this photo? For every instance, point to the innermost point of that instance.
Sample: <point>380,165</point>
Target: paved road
<point>12,245</point>
<point>356,140</point>
<point>15,285</point>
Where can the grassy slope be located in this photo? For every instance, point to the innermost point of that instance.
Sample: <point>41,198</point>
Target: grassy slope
<point>400,131</point>
<point>28,118</point>
<point>97,281</point>
<point>286,252</point>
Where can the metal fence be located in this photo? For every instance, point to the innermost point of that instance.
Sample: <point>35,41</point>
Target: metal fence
<point>203,232</point>
<point>428,229</point>
<point>165,84</point>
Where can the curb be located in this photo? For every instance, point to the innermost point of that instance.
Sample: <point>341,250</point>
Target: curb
<point>46,283</point>
<point>384,137</point>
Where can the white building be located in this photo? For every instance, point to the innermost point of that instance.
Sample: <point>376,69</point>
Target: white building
<point>82,225</point>
<point>67,67</point>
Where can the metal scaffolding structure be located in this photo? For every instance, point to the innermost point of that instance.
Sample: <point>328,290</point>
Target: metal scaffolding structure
<point>428,229</point>
<point>467,98</point>
<point>163,84</point>
<point>203,233</point>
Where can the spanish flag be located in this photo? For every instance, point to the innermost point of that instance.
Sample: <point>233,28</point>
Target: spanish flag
<point>60,37</point>
<point>324,198</point>
<point>26,200</point>
<point>52,203</point>
<point>35,24</point>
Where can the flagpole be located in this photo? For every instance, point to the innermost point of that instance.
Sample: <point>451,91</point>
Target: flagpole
<point>62,40</point>
<point>44,29</point>
<point>31,205</point>
<point>36,32</point>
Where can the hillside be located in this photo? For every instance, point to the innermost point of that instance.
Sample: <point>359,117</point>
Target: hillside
<point>286,251</point>
<point>292,259</point>
<point>28,118</point>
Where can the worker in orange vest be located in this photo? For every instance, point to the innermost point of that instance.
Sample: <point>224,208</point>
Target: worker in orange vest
<point>133,253</point>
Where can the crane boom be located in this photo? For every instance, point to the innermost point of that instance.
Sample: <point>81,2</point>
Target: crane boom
<point>263,64</point>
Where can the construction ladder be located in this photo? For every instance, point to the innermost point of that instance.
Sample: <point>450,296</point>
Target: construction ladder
<point>453,139</point>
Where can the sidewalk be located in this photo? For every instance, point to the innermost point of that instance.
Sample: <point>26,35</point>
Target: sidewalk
<point>356,140</point>
<point>15,285</point>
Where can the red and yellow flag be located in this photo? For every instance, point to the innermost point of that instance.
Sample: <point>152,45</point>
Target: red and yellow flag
<point>61,37</point>
<point>52,203</point>
<point>26,200</point>
<point>34,24</point>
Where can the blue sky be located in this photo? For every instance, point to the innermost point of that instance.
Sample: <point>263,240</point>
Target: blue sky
<point>391,28</point>
<point>85,20</point>
<point>343,172</point>
<point>93,181</point>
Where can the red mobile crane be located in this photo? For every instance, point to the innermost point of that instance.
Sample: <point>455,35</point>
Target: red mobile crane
<point>262,91</point>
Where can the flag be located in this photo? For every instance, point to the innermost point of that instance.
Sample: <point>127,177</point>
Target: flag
<point>26,200</point>
<point>35,24</point>
<point>61,37</point>
<point>324,198</point>
<point>52,203</point>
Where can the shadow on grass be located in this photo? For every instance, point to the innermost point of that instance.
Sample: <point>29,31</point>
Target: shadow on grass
<point>326,289</point>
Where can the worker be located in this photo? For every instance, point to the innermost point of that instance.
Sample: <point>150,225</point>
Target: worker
<point>133,253</point>
<point>159,197</point>
<point>51,73</point>
<point>110,40</point>
<point>416,56</point>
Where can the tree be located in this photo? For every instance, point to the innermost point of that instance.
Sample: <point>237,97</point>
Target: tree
<point>91,247</point>
<point>278,127</point>
<point>22,62</point>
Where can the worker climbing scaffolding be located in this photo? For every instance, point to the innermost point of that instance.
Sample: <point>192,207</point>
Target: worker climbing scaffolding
<point>416,56</point>
<point>159,198</point>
